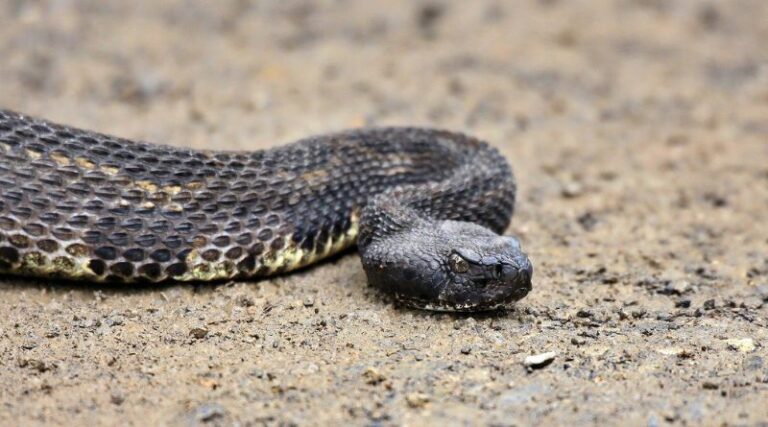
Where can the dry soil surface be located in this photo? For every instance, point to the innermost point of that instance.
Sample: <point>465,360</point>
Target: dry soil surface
<point>638,130</point>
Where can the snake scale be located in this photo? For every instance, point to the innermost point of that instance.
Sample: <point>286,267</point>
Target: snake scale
<point>425,208</point>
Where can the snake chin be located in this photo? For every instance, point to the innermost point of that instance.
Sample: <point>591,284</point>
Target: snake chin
<point>449,308</point>
<point>450,266</point>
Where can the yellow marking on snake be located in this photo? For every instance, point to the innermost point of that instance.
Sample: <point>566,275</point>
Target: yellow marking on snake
<point>172,189</point>
<point>289,258</point>
<point>148,186</point>
<point>293,256</point>
<point>109,170</point>
<point>60,159</point>
<point>313,176</point>
<point>85,163</point>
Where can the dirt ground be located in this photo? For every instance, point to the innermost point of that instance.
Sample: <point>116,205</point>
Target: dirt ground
<point>638,130</point>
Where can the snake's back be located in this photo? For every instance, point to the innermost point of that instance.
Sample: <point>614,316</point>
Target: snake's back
<point>81,205</point>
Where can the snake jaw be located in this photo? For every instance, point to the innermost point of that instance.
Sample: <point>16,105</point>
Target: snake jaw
<point>450,266</point>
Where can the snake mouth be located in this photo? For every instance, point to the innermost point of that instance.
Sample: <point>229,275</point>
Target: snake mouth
<point>495,296</point>
<point>480,294</point>
<point>455,307</point>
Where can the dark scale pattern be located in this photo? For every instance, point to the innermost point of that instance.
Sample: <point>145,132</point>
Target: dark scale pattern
<point>83,205</point>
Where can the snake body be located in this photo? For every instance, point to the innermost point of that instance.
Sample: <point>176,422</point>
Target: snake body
<point>80,205</point>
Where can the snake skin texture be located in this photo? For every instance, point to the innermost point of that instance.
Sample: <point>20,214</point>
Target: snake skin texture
<point>80,205</point>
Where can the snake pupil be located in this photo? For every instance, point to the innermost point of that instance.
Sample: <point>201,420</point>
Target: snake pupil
<point>498,270</point>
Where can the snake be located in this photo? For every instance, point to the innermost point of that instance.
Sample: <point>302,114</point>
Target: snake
<point>425,208</point>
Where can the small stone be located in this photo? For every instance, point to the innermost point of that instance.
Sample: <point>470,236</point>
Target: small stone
<point>117,398</point>
<point>29,344</point>
<point>671,351</point>
<point>309,302</point>
<point>710,385</point>
<point>578,341</point>
<point>199,332</point>
<point>466,349</point>
<point>744,345</point>
<point>683,303</point>
<point>676,287</point>
<point>36,364</point>
<point>114,321</point>
<point>572,189</point>
<point>539,361</point>
<point>417,400</point>
<point>709,304</point>
<point>209,412</point>
<point>244,301</point>
<point>372,376</point>
<point>670,416</point>
<point>588,221</point>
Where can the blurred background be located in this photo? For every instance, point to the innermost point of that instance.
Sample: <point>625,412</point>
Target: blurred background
<point>638,130</point>
<point>237,70</point>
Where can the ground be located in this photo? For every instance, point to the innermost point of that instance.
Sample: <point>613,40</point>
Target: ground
<point>638,132</point>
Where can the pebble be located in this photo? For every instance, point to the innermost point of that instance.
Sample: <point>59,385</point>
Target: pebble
<point>117,398</point>
<point>245,301</point>
<point>29,344</point>
<point>417,400</point>
<point>578,341</point>
<point>209,412</point>
<point>572,189</point>
<point>671,351</point>
<point>588,221</point>
<point>466,349</point>
<point>114,321</point>
<point>744,345</point>
<point>35,364</point>
<point>199,332</point>
<point>541,360</point>
<point>677,287</point>
<point>309,302</point>
<point>373,376</point>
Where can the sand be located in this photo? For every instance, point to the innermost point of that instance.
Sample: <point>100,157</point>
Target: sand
<point>638,130</point>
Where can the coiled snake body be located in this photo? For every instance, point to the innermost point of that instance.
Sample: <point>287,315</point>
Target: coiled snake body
<point>424,207</point>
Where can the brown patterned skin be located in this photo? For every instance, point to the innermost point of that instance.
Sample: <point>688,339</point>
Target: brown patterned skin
<point>80,205</point>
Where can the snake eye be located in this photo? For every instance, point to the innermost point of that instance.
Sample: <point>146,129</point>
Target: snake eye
<point>498,271</point>
<point>458,264</point>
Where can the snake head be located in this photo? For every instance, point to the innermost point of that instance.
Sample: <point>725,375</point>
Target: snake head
<point>450,266</point>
